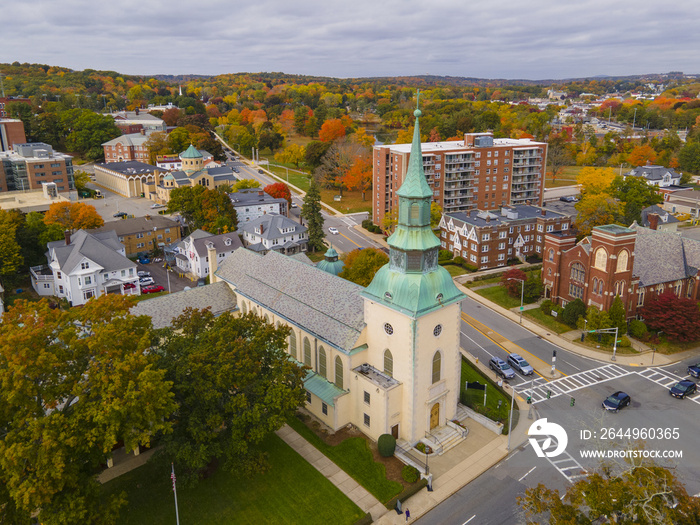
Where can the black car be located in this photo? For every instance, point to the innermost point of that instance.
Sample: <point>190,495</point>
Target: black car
<point>616,401</point>
<point>120,214</point>
<point>682,389</point>
<point>694,370</point>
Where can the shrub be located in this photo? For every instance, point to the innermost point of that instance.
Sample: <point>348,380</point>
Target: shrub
<point>386,445</point>
<point>366,223</point>
<point>572,311</point>
<point>410,474</point>
<point>420,446</point>
<point>460,261</point>
<point>637,329</point>
<point>546,306</point>
<point>625,342</point>
<point>444,255</point>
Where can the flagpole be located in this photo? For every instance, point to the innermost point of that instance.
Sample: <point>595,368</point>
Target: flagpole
<point>172,476</point>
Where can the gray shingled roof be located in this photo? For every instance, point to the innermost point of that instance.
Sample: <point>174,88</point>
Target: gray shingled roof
<point>137,225</point>
<point>162,310</point>
<point>661,257</point>
<point>658,210</point>
<point>252,196</point>
<point>219,241</point>
<point>524,211</point>
<point>130,139</point>
<point>320,303</point>
<point>100,248</point>
<point>272,224</point>
<point>129,167</point>
<point>653,172</point>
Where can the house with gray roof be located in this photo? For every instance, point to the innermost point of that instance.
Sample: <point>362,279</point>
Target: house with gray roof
<point>656,218</point>
<point>657,175</point>
<point>684,201</point>
<point>131,146</point>
<point>274,232</point>
<point>192,253</point>
<point>86,265</point>
<point>253,203</point>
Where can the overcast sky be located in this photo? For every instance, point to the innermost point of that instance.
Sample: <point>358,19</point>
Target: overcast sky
<point>531,39</point>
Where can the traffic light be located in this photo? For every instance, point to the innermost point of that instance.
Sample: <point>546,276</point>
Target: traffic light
<point>573,402</point>
<point>549,394</point>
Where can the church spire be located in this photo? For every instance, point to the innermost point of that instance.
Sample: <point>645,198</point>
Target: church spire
<point>413,282</point>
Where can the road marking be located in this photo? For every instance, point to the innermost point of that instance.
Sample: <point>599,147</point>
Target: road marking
<point>477,344</point>
<point>665,379</point>
<point>574,382</point>
<point>565,463</point>
<point>349,239</point>
<point>465,523</point>
<point>528,472</point>
<point>572,366</point>
<point>491,331</point>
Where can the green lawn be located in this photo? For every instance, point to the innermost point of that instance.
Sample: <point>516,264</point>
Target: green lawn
<point>497,279</point>
<point>292,491</point>
<point>354,457</point>
<point>454,269</point>
<point>475,398</point>
<point>547,321</point>
<point>566,177</point>
<point>498,295</point>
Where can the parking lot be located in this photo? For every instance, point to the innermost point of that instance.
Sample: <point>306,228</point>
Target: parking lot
<point>160,276</point>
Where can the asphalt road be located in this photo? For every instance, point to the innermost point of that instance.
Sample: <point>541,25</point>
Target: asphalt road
<point>491,498</point>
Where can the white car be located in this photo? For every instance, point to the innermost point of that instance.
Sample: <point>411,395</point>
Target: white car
<point>156,205</point>
<point>145,281</point>
<point>334,231</point>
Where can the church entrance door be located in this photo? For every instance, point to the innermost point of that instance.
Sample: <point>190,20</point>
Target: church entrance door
<point>435,416</point>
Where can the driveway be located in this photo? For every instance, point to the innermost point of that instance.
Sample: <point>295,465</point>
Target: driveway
<point>177,284</point>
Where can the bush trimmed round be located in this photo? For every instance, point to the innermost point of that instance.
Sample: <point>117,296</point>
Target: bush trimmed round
<point>386,445</point>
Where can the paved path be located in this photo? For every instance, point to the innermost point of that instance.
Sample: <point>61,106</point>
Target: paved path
<point>333,472</point>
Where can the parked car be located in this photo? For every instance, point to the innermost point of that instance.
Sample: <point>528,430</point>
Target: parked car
<point>519,364</point>
<point>568,198</point>
<point>261,171</point>
<point>145,281</point>
<point>154,288</point>
<point>156,205</point>
<point>332,230</point>
<point>143,274</point>
<point>294,205</point>
<point>683,388</point>
<point>694,370</point>
<point>501,368</point>
<point>143,260</point>
<point>616,401</point>
<point>120,214</point>
<point>129,286</point>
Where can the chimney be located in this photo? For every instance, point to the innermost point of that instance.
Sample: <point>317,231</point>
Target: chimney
<point>147,217</point>
<point>653,219</point>
<point>213,262</point>
<point>67,236</point>
<point>261,193</point>
<point>543,212</point>
<point>262,228</point>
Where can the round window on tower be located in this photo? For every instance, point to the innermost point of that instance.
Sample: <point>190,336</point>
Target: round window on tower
<point>388,296</point>
<point>437,330</point>
<point>388,328</point>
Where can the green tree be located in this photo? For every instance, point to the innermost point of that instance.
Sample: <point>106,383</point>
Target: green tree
<point>81,178</point>
<point>157,144</point>
<point>245,184</point>
<point>11,259</point>
<point>234,384</point>
<point>86,131</point>
<point>311,213</point>
<point>572,311</point>
<point>72,384</point>
<point>178,140</point>
<point>292,154</point>
<point>270,139</point>
<point>558,156</point>
<point>635,195</point>
<point>361,265</point>
<point>314,153</point>
<point>533,288</point>
<point>618,315</point>
<point>435,214</point>
<point>689,157</point>
<point>639,493</point>
<point>202,208</point>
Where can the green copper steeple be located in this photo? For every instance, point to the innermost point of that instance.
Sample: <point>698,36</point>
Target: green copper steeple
<point>413,282</point>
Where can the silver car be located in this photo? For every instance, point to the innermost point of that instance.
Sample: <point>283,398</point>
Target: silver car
<point>520,365</point>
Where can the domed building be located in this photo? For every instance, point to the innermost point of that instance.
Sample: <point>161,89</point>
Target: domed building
<point>331,264</point>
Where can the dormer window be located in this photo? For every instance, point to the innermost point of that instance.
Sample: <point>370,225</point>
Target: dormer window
<point>84,266</point>
<point>227,242</point>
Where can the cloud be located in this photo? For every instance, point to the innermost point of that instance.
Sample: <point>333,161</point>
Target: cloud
<point>495,39</point>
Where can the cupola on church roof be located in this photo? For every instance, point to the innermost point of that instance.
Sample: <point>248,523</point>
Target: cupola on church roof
<point>413,282</point>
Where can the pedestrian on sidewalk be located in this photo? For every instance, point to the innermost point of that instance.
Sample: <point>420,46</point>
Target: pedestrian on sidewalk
<point>408,514</point>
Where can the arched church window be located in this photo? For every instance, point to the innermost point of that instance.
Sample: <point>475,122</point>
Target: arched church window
<point>601,258</point>
<point>322,362</point>
<point>437,365</point>
<point>307,352</point>
<point>622,259</point>
<point>388,363</point>
<point>338,372</point>
<point>293,345</point>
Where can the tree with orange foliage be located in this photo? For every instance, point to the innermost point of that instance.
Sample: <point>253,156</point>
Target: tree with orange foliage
<point>171,116</point>
<point>641,155</point>
<point>434,135</point>
<point>73,216</point>
<point>359,176</point>
<point>279,190</point>
<point>331,129</point>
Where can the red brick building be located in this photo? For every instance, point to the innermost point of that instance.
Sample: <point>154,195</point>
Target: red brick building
<point>479,172</point>
<point>489,239</point>
<point>126,148</point>
<point>11,133</point>
<point>635,263</point>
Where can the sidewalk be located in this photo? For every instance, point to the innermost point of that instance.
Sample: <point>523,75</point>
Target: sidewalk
<point>359,495</point>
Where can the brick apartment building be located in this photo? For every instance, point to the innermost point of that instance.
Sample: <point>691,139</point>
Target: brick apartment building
<point>11,133</point>
<point>6,100</point>
<point>479,172</point>
<point>28,166</point>
<point>127,147</point>
<point>141,234</point>
<point>488,239</point>
<point>635,263</point>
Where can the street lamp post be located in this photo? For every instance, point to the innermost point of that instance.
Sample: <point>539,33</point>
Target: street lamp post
<point>522,294</point>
